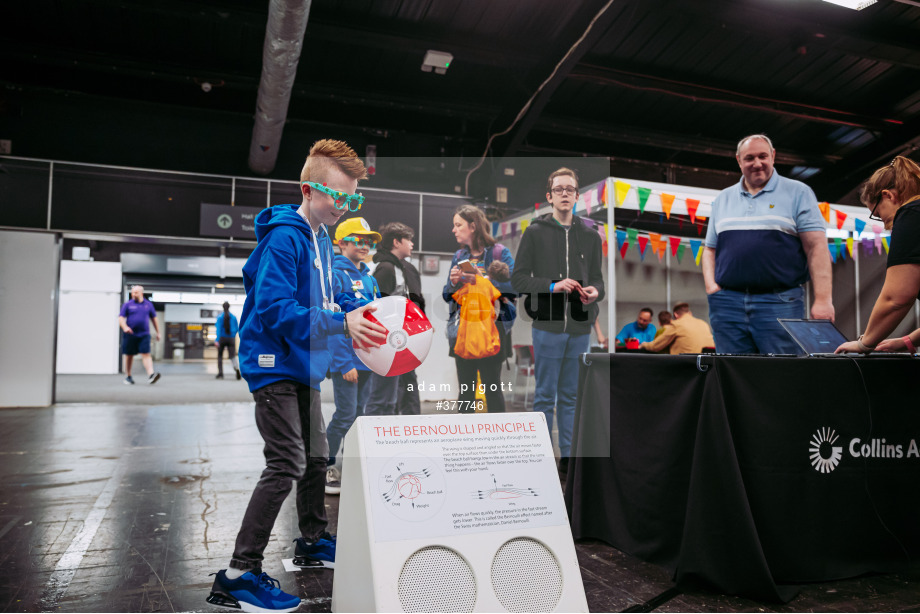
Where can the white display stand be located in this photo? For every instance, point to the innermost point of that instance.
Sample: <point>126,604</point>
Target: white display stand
<point>453,513</point>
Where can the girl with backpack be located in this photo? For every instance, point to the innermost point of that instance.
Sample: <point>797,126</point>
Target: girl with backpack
<point>486,342</point>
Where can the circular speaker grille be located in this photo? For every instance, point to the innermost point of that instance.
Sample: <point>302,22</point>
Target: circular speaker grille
<point>437,579</point>
<point>526,576</point>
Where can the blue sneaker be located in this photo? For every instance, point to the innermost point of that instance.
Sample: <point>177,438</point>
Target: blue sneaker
<point>318,555</point>
<point>251,593</point>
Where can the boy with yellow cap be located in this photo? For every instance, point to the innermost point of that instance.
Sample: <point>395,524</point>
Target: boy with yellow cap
<point>350,377</point>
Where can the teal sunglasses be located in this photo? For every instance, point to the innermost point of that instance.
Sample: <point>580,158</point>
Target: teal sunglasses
<point>352,202</point>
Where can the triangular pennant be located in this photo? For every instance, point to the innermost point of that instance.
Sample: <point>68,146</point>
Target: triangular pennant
<point>838,243</point>
<point>524,225</point>
<point>675,243</point>
<point>661,218</point>
<point>643,197</point>
<point>655,238</point>
<point>695,246</point>
<point>699,256</point>
<point>699,228</point>
<point>494,229</point>
<point>504,228</point>
<point>667,201</point>
<point>666,207</point>
<point>633,234</point>
<point>590,199</point>
<point>621,237</point>
<point>867,245</point>
<point>623,249</point>
<point>833,251</point>
<point>860,225</point>
<point>604,200</point>
<point>825,211</point>
<point>513,229</point>
<point>680,252</point>
<point>536,206</point>
<point>850,246</point>
<point>643,243</point>
<point>621,188</point>
<point>841,216</point>
<point>692,205</point>
<point>877,230</point>
<point>660,253</point>
<point>885,243</point>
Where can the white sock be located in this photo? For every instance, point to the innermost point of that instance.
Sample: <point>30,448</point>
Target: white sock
<point>233,573</point>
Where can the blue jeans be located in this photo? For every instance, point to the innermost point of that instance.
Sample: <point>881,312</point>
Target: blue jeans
<point>556,357</point>
<point>350,399</point>
<point>389,396</point>
<point>745,323</point>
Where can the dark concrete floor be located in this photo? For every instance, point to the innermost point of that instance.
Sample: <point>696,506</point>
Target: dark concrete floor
<point>110,507</point>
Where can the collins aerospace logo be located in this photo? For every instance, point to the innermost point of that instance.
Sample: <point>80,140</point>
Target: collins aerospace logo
<point>825,456</point>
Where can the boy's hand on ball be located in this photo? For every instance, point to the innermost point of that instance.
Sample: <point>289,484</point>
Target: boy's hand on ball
<point>367,334</point>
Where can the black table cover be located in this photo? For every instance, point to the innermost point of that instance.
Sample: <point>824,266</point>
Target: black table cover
<point>749,473</point>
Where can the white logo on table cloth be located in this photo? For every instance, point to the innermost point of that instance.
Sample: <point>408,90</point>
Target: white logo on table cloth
<point>825,456</point>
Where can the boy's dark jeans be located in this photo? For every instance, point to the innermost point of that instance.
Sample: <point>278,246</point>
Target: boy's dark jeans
<point>290,420</point>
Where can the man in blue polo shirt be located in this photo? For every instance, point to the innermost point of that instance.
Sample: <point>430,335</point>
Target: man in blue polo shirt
<point>642,329</point>
<point>766,237</point>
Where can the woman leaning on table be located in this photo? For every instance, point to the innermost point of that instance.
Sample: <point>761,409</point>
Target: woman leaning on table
<point>893,196</point>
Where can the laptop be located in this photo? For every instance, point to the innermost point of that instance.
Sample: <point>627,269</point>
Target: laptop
<point>821,338</point>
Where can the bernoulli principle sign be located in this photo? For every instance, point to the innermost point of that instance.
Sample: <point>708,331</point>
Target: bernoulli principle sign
<point>826,449</point>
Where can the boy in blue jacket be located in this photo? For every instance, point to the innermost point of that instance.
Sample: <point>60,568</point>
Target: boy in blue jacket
<point>289,317</point>
<point>350,377</point>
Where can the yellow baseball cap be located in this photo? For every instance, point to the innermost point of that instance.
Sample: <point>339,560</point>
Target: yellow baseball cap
<point>356,226</point>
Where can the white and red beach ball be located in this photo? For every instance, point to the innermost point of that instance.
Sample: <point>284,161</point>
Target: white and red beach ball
<point>408,338</point>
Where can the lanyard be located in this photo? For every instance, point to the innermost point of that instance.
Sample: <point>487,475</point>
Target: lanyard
<point>327,302</point>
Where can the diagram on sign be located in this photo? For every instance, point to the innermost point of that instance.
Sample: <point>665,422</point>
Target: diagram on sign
<point>412,487</point>
<point>505,491</point>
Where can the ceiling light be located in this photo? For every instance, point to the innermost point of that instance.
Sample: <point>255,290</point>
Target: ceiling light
<point>857,5</point>
<point>439,61</point>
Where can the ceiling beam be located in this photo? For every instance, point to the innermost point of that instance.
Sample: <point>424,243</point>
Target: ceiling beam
<point>584,33</point>
<point>837,180</point>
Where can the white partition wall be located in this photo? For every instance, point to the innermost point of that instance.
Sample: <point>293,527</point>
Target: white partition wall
<point>28,288</point>
<point>88,317</point>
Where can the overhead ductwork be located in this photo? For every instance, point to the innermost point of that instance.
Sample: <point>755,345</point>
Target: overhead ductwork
<point>287,23</point>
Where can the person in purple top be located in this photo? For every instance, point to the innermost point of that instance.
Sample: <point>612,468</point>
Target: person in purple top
<point>133,320</point>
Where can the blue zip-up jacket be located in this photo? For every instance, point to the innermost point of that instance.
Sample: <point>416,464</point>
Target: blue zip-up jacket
<point>284,329</point>
<point>219,326</point>
<point>358,283</point>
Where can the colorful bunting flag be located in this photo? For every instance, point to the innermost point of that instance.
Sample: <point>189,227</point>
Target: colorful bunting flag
<point>643,197</point>
<point>675,243</point>
<point>695,246</point>
<point>494,229</point>
<point>860,226</point>
<point>604,200</point>
<point>699,256</point>
<point>643,243</point>
<point>680,252</point>
<point>841,216</point>
<point>825,211</point>
<point>621,237</point>
<point>833,251</point>
<point>623,249</point>
<point>504,228</point>
<point>633,234</point>
<point>667,201</point>
<point>838,243</point>
<point>885,244</point>
<point>524,225</point>
<point>850,246</point>
<point>655,238</point>
<point>666,207</point>
<point>692,205</point>
<point>621,189</point>
<point>867,245</point>
<point>513,229</point>
<point>590,199</point>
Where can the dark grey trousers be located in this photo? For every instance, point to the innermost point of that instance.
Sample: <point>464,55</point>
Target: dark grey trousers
<point>290,419</point>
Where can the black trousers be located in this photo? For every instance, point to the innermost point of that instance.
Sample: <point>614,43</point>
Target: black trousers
<point>490,372</point>
<point>290,419</point>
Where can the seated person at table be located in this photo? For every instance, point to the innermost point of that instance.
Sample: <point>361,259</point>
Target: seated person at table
<point>642,329</point>
<point>664,318</point>
<point>684,335</point>
<point>892,195</point>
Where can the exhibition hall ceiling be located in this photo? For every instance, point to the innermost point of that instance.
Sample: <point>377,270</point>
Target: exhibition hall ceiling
<point>664,88</point>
